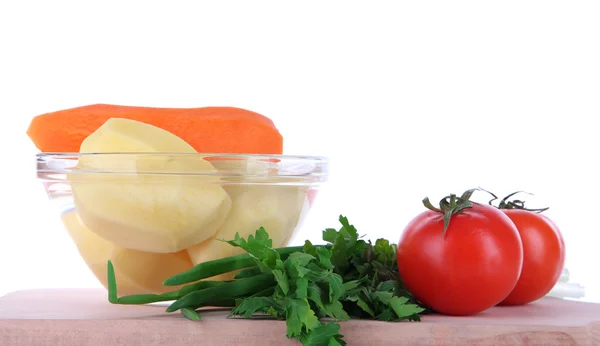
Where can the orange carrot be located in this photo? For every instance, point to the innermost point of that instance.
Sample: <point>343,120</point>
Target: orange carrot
<point>207,129</point>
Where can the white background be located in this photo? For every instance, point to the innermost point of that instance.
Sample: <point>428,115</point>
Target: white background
<point>407,99</point>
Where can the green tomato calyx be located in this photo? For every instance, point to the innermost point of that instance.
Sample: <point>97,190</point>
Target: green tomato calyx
<point>451,205</point>
<point>515,203</point>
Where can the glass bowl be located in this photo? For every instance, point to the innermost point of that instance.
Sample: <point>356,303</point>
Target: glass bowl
<point>157,214</point>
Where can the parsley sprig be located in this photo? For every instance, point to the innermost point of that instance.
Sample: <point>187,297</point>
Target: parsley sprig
<point>312,287</point>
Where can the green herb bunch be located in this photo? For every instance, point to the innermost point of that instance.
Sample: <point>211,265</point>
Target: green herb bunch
<point>311,287</point>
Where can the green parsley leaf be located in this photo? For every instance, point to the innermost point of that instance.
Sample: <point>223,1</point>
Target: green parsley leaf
<point>330,235</point>
<point>335,310</point>
<point>301,288</point>
<point>309,248</point>
<point>384,252</point>
<point>383,297</point>
<point>259,246</point>
<point>350,233</point>
<point>296,261</point>
<point>324,255</point>
<point>249,306</point>
<point>386,315</point>
<point>282,281</point>
<point>404,310</point>
<point>335,287</point>
<point>340,255</point>
<point>299,317</point>
<point>362,303</point>
<point>324,335</point>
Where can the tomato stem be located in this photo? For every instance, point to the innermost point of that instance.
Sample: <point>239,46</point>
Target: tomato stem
<point>451,205</point>
<point>515,203</point>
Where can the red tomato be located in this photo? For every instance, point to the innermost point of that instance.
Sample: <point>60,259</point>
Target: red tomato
<point>473,267</point>
<point>543,256</point>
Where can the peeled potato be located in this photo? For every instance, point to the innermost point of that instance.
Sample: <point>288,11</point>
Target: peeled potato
<point>276,208</point>
<point>136,272</point>
<point>140,208</point>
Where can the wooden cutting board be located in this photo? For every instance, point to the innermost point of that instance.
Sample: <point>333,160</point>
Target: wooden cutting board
<point>84,317</point>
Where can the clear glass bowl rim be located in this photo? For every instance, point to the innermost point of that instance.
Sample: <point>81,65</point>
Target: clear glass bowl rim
<point>54,165</point>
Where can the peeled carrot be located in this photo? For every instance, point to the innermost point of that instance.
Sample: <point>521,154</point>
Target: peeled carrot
<point>207,129</point>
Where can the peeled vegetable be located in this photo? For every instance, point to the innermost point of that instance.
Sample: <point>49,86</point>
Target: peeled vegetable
<point>136,271</point>
<point>206,129</point>
<point>124,200</point>
<point>276,208</point>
